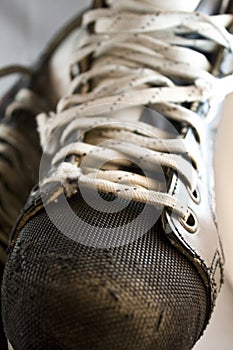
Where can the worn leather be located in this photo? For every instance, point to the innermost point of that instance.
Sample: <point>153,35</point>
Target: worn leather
<point>202,247</point>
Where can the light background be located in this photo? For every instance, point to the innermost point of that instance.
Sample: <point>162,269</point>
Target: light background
<point>25,28</point>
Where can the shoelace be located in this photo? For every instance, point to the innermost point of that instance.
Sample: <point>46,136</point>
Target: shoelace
<point>139,58</point>
<point>14,178</point>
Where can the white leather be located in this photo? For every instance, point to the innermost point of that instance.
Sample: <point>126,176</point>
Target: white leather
<point>224,183</point>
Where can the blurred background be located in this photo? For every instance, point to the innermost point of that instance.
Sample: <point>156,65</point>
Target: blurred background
<point>26,26</point>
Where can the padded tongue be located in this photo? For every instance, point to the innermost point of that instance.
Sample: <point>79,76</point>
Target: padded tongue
<point>207,6</point>
<point>177,5</point>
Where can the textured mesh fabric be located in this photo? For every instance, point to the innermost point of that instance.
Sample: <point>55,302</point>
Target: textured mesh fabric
<point>60,294</point>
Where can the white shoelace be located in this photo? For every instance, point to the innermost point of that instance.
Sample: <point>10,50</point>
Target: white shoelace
<point>140,58</point>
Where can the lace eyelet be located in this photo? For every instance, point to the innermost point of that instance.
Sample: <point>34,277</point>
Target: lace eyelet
<point>195,195</point>
<point>191,223</point>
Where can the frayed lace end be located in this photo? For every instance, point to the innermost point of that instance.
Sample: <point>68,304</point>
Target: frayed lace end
<point>68,174</point>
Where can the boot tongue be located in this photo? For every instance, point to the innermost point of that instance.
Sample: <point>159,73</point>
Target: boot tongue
<point>167,5</point>
<point>209,7</point>
<point>177,5</point>
<point>205,6</point>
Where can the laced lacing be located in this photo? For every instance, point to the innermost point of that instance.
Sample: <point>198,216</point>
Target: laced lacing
<point>139,57</point>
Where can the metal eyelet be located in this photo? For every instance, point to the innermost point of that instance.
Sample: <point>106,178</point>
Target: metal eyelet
<point>191,223</point>
<point>195,195</point>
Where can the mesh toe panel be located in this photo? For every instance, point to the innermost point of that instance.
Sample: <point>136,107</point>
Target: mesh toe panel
<point>61,294</point>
